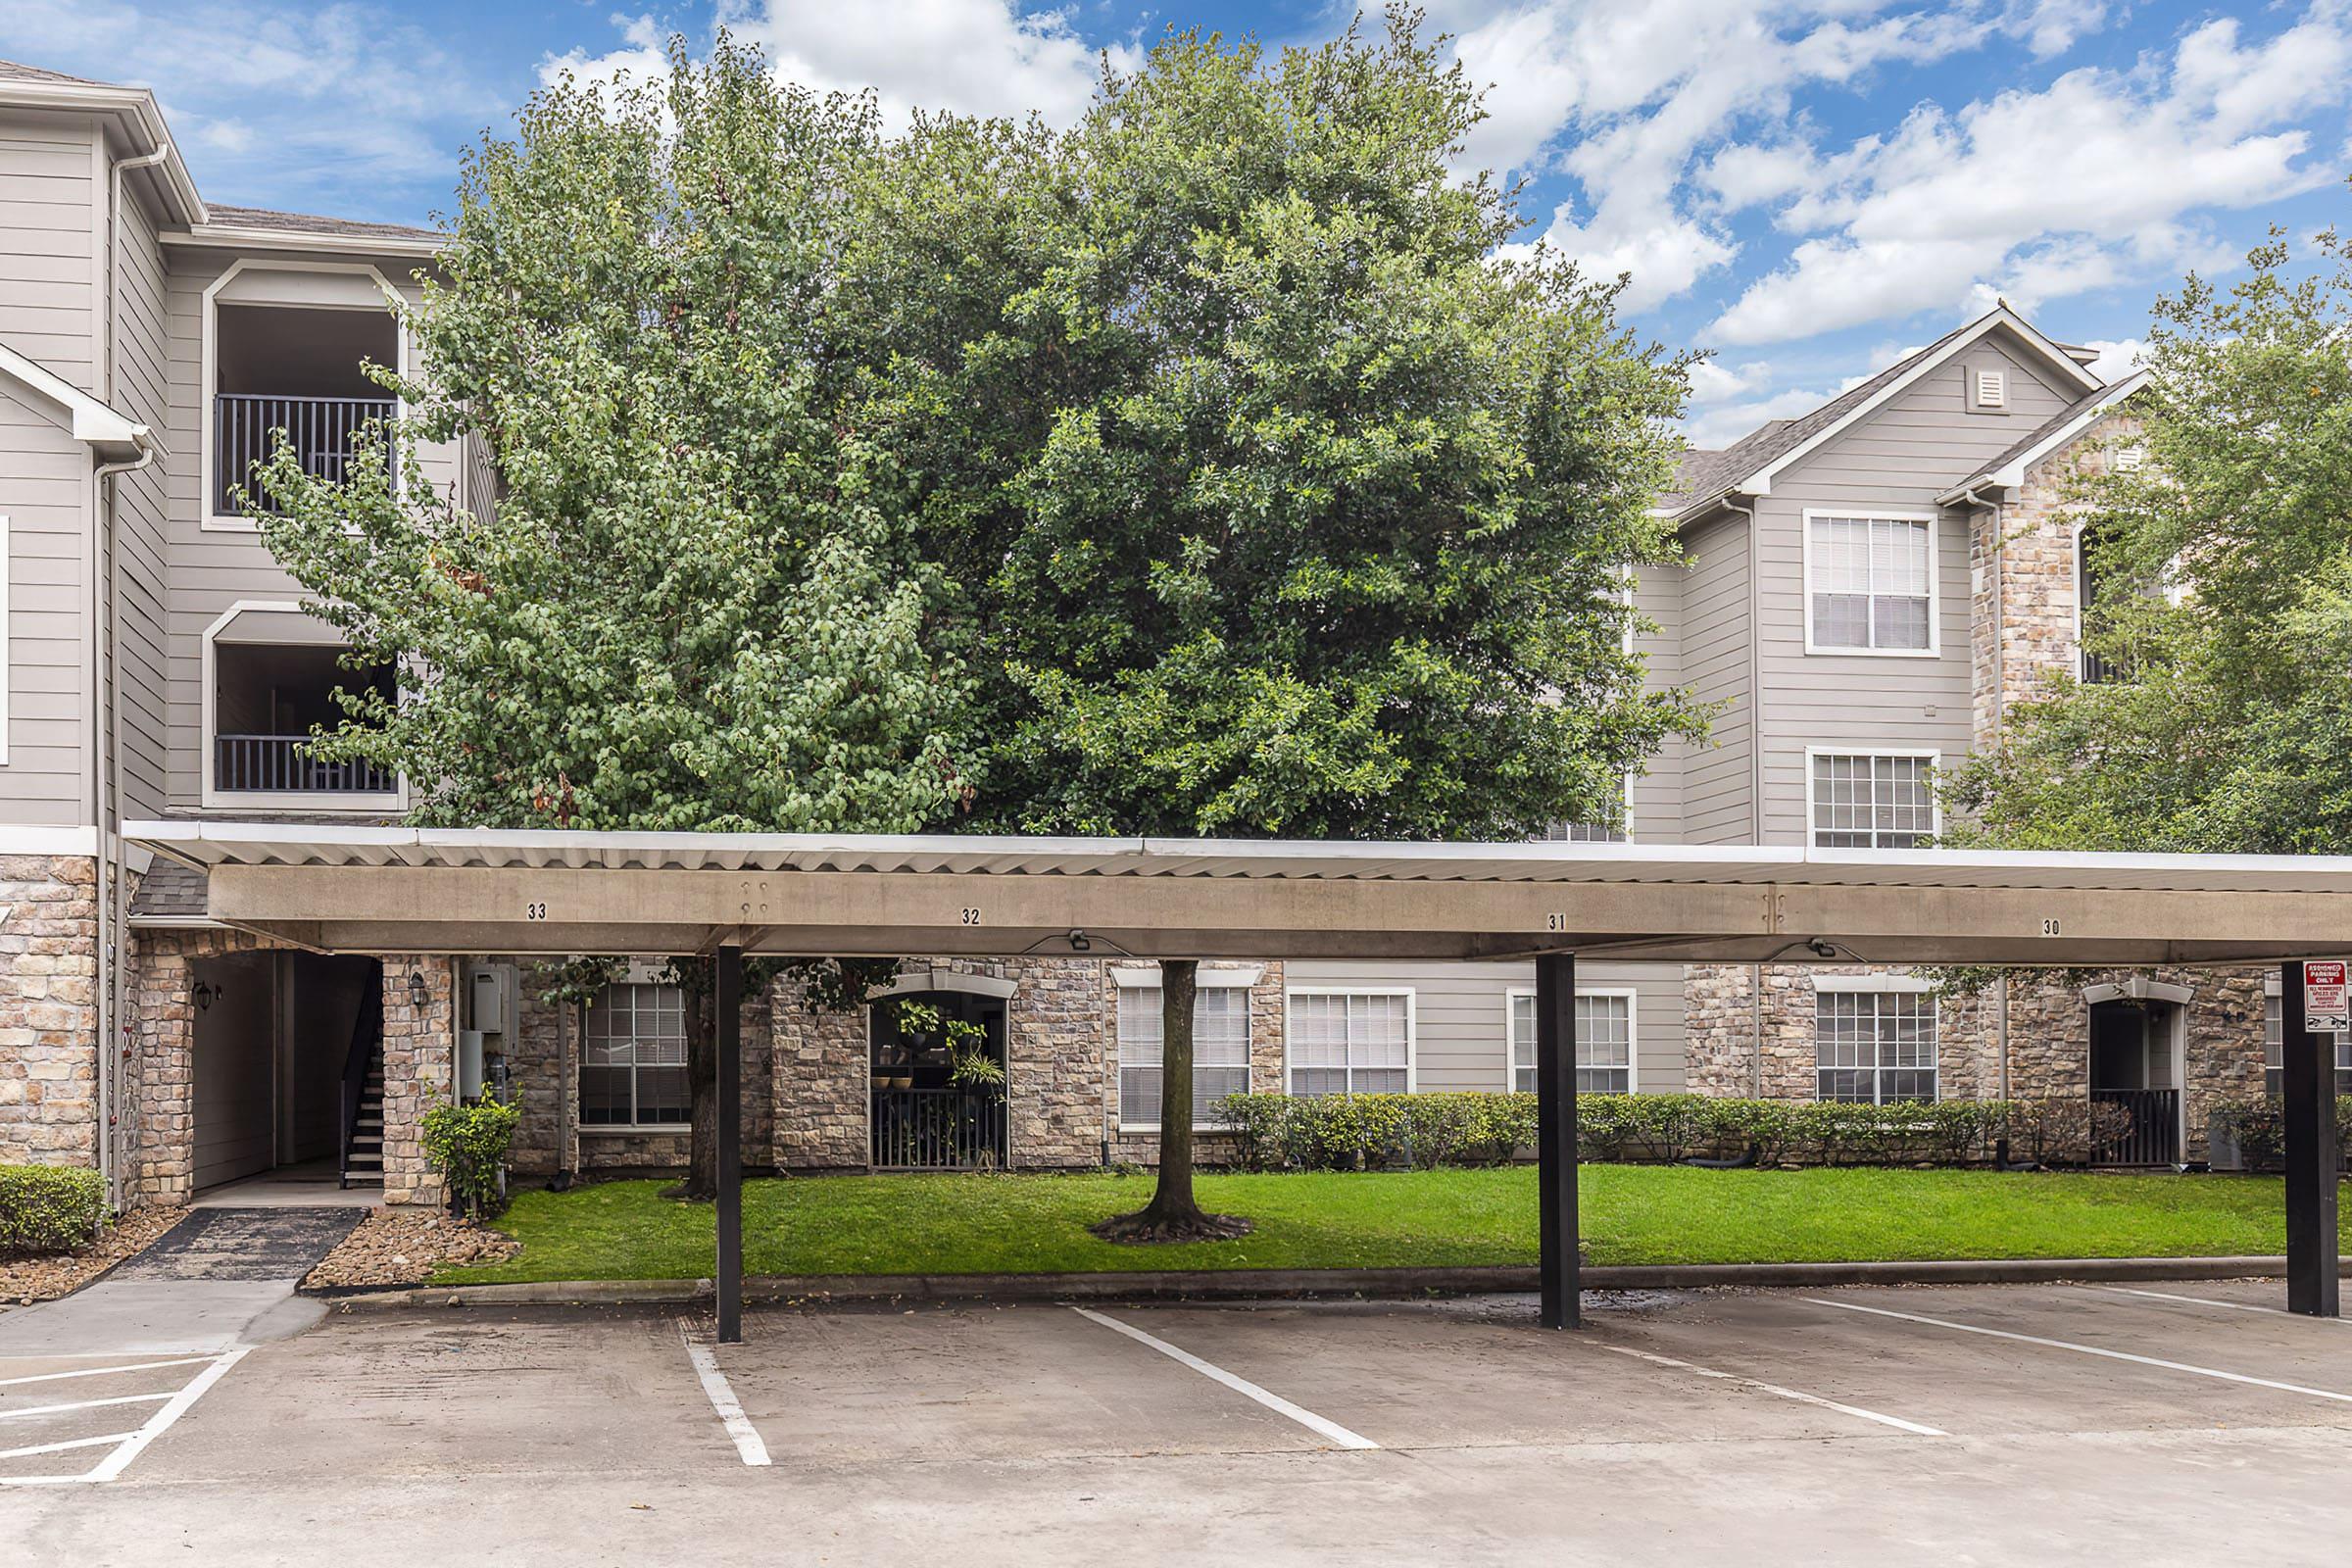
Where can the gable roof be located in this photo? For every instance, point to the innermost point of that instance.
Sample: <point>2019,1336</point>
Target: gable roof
<point>1747,465</point>
<point>110,432</point>
<point>261,227</point>
<point>2008,471</point>
<point>131,112</point>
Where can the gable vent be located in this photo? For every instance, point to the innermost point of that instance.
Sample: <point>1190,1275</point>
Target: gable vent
<point>2130,459</point>
<point>1992,389</point>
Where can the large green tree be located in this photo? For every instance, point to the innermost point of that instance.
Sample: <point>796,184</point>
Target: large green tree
<point>1291,506</point>
<point>2224,561</point>
<point>695,604</point>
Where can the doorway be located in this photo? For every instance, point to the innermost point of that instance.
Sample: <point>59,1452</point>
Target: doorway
<point>281,1041</point>
<point>2134,1068</point>
<point>922,1116</point>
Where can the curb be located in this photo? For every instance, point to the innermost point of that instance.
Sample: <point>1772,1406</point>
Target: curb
<point>1201,1285</point>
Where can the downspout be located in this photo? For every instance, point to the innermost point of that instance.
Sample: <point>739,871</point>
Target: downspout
<point>112,912</point>
<point>1994,553</point>
<point>1755,773</point>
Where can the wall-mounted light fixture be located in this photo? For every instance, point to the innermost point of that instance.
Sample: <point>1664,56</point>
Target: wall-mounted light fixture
<point>419,996</point>
<point>205,994</point>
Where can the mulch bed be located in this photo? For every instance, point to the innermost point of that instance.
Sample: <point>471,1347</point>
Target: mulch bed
<point>405,1247</point>
<point>27,1279</point>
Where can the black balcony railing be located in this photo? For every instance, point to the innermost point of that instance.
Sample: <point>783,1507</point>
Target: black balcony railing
<point>283,764</point>
<point>937,1129</point>
<point>321,431</point>
<point>2148,1133</point>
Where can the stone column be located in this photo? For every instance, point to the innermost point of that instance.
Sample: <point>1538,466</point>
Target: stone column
<point>1053,1063</point>
<point>820,1066</point>
<point>48,1009</point>
<point>419,1060</point>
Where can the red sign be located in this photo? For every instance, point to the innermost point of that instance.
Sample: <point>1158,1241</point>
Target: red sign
<point>2327,1007</point>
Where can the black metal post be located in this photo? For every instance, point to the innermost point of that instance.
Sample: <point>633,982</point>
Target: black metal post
<point>2309,1061</point>
<point>728,997</point>
<point>1556,1139</point>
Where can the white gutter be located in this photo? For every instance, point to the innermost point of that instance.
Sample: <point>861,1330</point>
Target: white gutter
<point>224,236</point>
<point>105,736</point>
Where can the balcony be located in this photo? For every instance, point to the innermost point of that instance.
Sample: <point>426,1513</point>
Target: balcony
<point>285,763</point>
<point>245,427</point>
<point>299,370</point>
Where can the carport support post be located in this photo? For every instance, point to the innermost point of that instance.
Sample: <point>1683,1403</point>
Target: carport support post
<point>1555,1137</point>
<point>2311,1153</point>
<point>728,997</point>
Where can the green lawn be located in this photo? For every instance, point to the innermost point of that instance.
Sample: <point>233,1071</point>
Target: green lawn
<point>1631,1214</point>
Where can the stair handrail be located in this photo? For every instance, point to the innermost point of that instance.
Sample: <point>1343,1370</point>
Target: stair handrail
<point>367,1033</point>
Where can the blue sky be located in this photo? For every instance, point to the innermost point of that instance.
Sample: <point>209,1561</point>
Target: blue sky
<point>1807,187</point>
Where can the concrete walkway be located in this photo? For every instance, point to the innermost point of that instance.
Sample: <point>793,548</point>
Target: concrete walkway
<point>221,1277</point>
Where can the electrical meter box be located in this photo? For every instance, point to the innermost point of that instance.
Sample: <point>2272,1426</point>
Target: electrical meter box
<point>489,1017</point>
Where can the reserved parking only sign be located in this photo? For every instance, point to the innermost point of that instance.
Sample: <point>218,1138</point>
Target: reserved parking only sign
<point>2327,1010</point>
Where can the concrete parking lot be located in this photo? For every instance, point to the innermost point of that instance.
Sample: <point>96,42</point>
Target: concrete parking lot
<point>2161,1424</point>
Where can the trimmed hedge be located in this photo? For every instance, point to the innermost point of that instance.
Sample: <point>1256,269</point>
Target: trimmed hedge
<point>1376,1132</point>
<point>49,1209</point>
<point>2259,1129</point>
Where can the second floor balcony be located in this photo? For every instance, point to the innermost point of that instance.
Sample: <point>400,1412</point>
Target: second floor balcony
<point>268,702</point>
<point>299,370</point>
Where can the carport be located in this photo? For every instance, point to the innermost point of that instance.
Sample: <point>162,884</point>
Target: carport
<point>453,891</point>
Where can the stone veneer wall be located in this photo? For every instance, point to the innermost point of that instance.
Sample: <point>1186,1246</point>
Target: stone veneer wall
<point>48,1009</point>
<point>2037,590</point>
<point>1140,1147</point>
<point>420,1066</point>
<point>820,1063</point>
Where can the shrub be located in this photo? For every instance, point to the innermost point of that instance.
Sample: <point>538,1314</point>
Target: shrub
<point>468,1145</point>
<point>49,1209</point>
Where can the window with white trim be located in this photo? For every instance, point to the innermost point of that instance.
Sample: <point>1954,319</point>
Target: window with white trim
<point>1351,1042</point>
<point>1604,1043</point>
<point>1875,1047</point>
<point>1871,581</point>
<point>633,1058</point>
<point>1220,1052</point>
<point>2274,1052</point>
<point>1873,802</point>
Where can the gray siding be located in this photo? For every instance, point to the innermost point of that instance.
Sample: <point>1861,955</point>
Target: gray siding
<point>142,390</point>
<point>1716,628</point>
<point>1902,456</point>
<point>1657,791</point>
<point>45,496</point>
<point>52,203</point>
<point>1461,1019</point>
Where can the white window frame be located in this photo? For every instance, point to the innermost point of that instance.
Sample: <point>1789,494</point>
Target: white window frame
<point>1933,759</point>
<point>1633,1037</point>
<point>1879,985</point>
<point>638,975</point>
<point>2273,1051</point>
<point>208,519</point>
<point>1413,1031</point>
<point>1934,522</point>
<point>304,801</point>
<point>1227,980</point>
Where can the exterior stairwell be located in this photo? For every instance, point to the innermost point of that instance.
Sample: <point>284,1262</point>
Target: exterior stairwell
<point>363,1145</point>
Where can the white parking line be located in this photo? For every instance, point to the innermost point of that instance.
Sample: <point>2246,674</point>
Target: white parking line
<point>1896,1421</point>
<point>2207,1300</point>
<point>721,1396</point>
<point>81,1404</point>
<point>102,1371</point>
<point>2087,1349</point>
<point>128,1446</point>
<point>1338,1434</point>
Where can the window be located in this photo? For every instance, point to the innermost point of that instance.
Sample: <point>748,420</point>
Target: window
<point>2274,1052</point>
<point>1220,1052</point>
<point>1605,1042</point>
<point>1351,1043</point>
<point>633,1058</point>
<point>1870,584</point>
<point>1872,802</point>
<point>1875,1047</point>
<point>1581,833</point>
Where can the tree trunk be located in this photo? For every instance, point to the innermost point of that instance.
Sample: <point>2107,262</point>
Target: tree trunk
<point>1173,1215</point>
<point>702,1074</point>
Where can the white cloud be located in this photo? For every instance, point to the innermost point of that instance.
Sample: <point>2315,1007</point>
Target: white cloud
<point>2118,357</point>
<point>2041,195</point>
<point>278,103</point>
<point>976,57</point>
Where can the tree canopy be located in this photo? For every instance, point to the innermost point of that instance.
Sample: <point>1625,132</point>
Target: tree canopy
<point>2225,565</point>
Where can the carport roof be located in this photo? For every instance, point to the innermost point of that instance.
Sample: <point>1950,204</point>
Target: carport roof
<point>405,889</point>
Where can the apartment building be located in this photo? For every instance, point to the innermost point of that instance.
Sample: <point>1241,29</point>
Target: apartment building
<point>1864,589</point>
